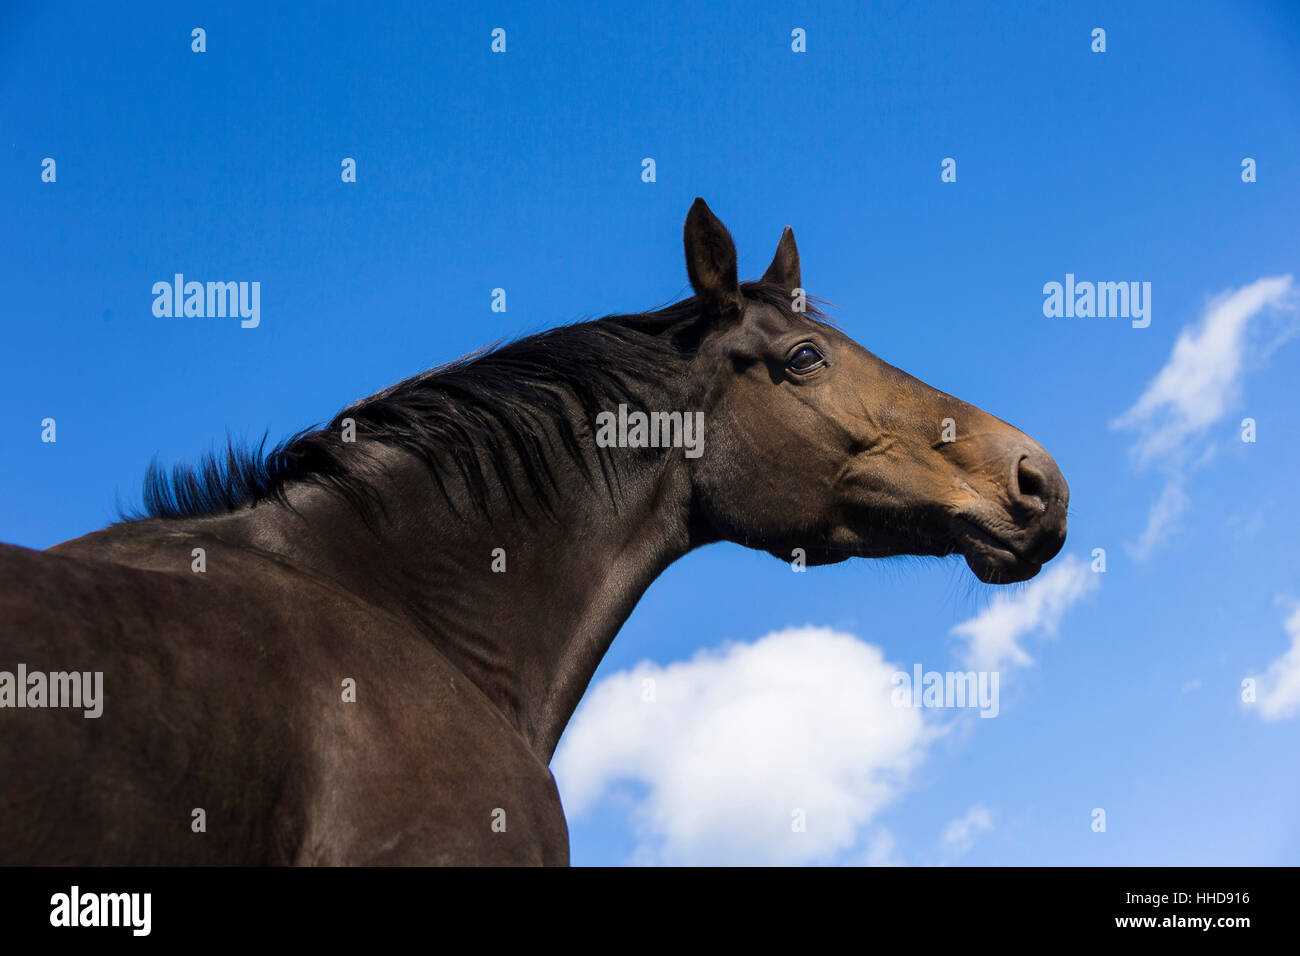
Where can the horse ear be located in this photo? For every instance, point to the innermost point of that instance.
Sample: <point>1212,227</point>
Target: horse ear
<point>784,270</point>
<point>711,259</point>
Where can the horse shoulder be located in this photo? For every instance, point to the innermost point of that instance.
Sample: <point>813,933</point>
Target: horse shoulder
<point>429,771</point>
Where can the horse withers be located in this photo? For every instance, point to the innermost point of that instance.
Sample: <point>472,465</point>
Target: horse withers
<point>363,645</point>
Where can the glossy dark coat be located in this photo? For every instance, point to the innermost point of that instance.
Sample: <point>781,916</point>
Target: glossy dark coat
<point>372,562</point>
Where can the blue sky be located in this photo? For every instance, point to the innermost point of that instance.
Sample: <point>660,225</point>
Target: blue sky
<point>522,170</point>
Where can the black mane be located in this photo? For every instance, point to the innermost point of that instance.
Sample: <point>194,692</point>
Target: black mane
<point>498,401</point>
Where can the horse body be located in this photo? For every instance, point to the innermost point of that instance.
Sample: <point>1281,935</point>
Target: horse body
<point>235,708</point>
<point>385,638</point>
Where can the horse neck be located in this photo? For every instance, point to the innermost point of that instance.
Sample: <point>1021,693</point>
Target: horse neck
<point>523,604</point>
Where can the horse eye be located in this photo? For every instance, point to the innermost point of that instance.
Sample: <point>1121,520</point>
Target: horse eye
<point>805,359</point>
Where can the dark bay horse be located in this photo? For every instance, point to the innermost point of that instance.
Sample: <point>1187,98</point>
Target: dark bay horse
<point>363,646</point>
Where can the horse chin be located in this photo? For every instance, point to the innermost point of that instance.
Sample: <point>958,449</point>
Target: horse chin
<point>990,557</point>
<point>998,566</point>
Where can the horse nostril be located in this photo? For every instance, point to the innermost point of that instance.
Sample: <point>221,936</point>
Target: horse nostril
<point>1031,486</point>
<point>1038,490</point>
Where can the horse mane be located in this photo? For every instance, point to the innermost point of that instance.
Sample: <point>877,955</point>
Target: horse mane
<point>494,403</point>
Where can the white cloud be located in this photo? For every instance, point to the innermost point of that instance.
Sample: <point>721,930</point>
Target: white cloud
<point>994,634</point>
<point>1199,382</point>
<point>1161,520</point>
<point>959,836</point>
<point>1277,691</point>
<point>1194,391</point>
<point>882,850</point>
<point>736,740</point>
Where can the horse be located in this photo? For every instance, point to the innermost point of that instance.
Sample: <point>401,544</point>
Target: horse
<point>361,646</point>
